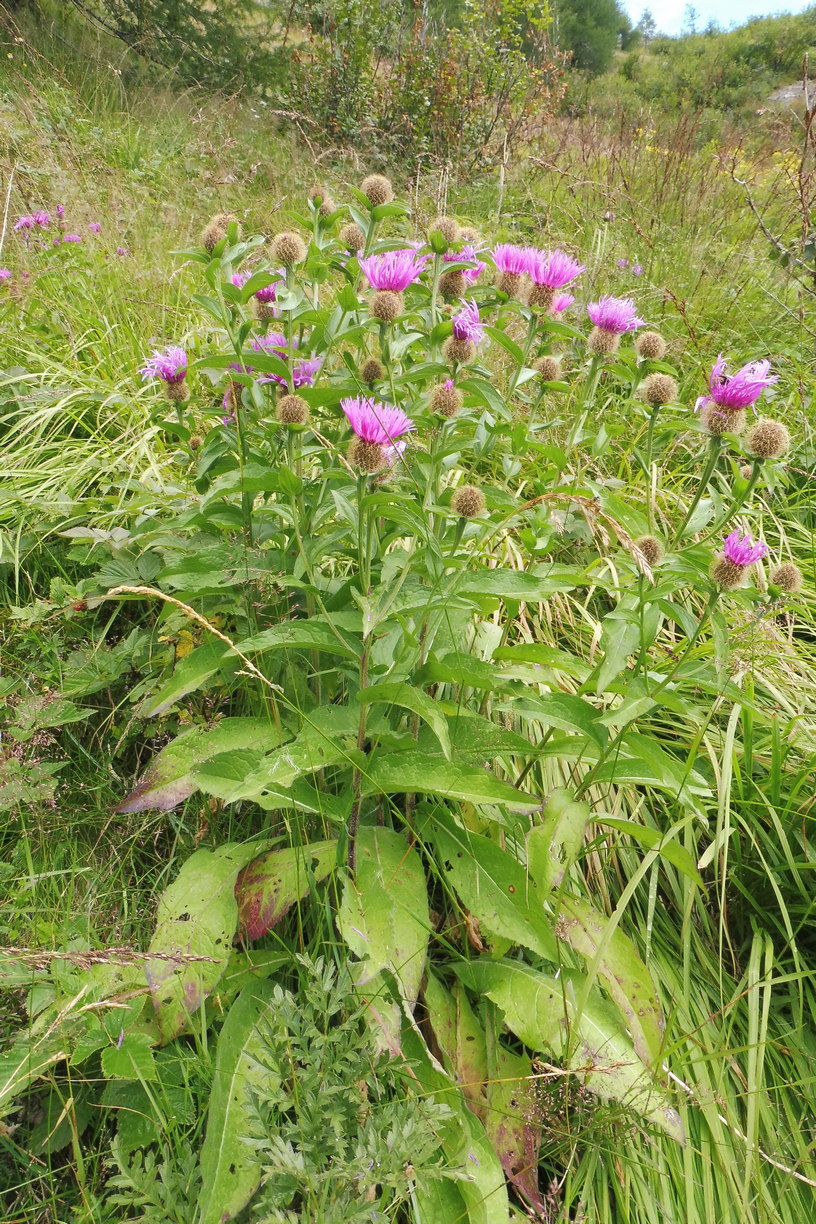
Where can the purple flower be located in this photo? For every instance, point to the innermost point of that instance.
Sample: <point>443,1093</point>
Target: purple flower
<point>71,238</point>
<point>622,263</point>
<point>741,550</point>
<point>562,302</point>
<point>467,325</point>
<point>738,390</point>
<point>510,258</point>
<point>274,342</point>
<point>616,315</point>
<point>60,211</point>
<point>94,227</point>
<point>553,269</point>
<point>41,218</point>
<point>169,365</point>
<point>5,274</point>
<point>394,270</point>
<point>269,293</point>
<point>376,422</point>
<point>239,279</point>
<point>122,251</point>
<point>303,374</point>
<point>468,254</point>
<point>24,223</point>
<point>637,270</point>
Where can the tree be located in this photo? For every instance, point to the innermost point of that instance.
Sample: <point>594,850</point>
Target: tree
<point>592,30</point>
<point>647,26</point>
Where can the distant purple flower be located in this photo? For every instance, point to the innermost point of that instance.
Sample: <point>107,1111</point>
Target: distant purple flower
<point>467,325</point>
<point>616,315</point>
<point>738,390</point>
<point>94,227</point>
<point>60,211</point>
<point>170,365</point>
<point>622,263</point>
<point>239,279</point>
<point>269,293</point>
<point>24,223</point>
<point>553,269</point>
<point>467,254</point>
<point>303,374</point>
<point>274,342</point>
<point>562,302</point>
<point>637,270</point>
<point>511,258</point>
<point>394,270</point>
<point>122,251</point>
<point>741,550</point>
<point>71,238</point>
<point>5,274</point>
<point>41,218</point>
<point>376,422</point>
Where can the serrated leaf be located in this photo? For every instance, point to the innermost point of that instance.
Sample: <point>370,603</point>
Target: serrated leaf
<point>270,885</point>
<point>412,772</point>
<point>131,1060</point>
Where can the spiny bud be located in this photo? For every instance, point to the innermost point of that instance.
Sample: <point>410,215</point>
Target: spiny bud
<point>288,249</point>
<point>265,311</point>
<point>549,367</point>
<point>386,305</point>
<point>457,351</point>
<point>292,410</point>
<point>651,548</point>
<point>542,296</point>
<point>215,230</point>
<point>368,457</point>
<point>727,574</point>
<point>468,234</point>
<point>509,283</point>
<point>322,200</point>
<point>718,420</point>
<point>177,391</point>
<point>746,471</point>
<point>447,227</point>
<point>372,370</point>
<point>468,501</point>
<point>650,346</point>
<point>445,399</point>
<point>658,389</point>
<point>787,577</point>
<point>767,439</point>
<point>601,342</point>
<point>195,442</point>
<point>352,237</point>
<point>452,285</point>
<point>378,189</point>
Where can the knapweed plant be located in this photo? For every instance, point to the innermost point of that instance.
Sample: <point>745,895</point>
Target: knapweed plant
<point>455,678</point>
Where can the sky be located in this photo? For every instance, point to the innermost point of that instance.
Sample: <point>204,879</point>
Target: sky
<point>670,15</point>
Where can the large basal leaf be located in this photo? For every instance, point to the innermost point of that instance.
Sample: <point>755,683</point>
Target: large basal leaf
<point>170,778</point>
<point>412,772</point>
<point>511,1108</point>
<point>460,1038</point>
<point>553,845</point>
<point>311,634</point>
<point>492,885</point>
<point>268,886</point>
<point>384,919</point>
<point>197,916</point>
<point>230,1163</point>
<point>541,1010</point>
<point>519,584</point>
<point>189,674</point>
<point>612,954</point>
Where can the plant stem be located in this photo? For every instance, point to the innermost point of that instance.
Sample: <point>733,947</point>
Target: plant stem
<point>738,502</point>
<point>532,327</point>
<point>649,445</point>
<point>714,448</point>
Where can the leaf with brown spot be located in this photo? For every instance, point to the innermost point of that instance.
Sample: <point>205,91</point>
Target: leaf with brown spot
<point>510,1123</point>
<point>270,885</point>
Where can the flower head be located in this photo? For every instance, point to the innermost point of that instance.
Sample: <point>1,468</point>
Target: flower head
<point>511,258</point>
<point>24,223</point>
<point>621,263</point>
<point>637,270</point>
<point>274,342</point>
<point>468,254</point>
<point>94,227</point>
<point>71,238</point>
<point>375,422</point>
<point>170,365</point>
<point>467,325</point>
<point>553,269</point>
<point>5,274</point>
<point>741,550</point>
<point>562,301</point>
<point>239,279</point>
<point>122,251</point>
<point>616,315</point>
<point>737,390</point>
<point>60,211</point>
<point>41,218</point>
<point>303,374</point>
<point>269,293</point>
<point>393,270</point>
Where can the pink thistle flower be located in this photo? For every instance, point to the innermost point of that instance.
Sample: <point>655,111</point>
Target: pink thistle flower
<point>94,227</point>
<point>41,218</point>
<point>122,251</point>
<point>553,269</point>
<point>562,302</point>
<point>5,274</point>
<point>60,211</point>
<point>71,238</point>
<point>274,342</point>
<point>304,374</point>
<point>621,263</point>
<point>637,270</point>
<point>741,550</point>
<point>169,365</point>
<point>376,422</point>
<point>615,315</point>
<point>24,223</point>
<point>269,293</point>
<point>735,391</point>
<point>239,279</point>
<point>468,254</point>
<point>511,258</point>
<point>393,270</point>
<point>467,325</point>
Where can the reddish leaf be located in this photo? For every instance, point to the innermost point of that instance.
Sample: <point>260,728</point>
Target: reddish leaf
<point>268,887</point>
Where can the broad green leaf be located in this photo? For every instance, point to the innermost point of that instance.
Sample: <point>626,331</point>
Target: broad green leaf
<point>667,848</point>
<point>231,1163</point>
<point>565,711</point>
<point>311,634</point>
<point>268,886</point>
<point>436,1199</point>
<point>64,1115</point>
<point>412,772</point>
<point>189,674</point>
<point>171,777</point>
<point>547,657</point>
<point>410,698</point>
<point>30,1056</point>
<point>613,956</point>
<point>619,639</point>
<point>553,845</point>
<point>197,917</point>
<point>511,1108</point>
<point>131,1060</point>
<point>492,885</point>
<point>476,740</point>
<point>461,1039</point>
<point>517,584</point>
<point>537,1006</point>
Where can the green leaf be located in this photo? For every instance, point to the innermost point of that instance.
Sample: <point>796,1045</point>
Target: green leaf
<point>517,584</point>
<point>311,634</point>
<point>511,1108</point>
<point>413,772</point>
<point>619,639</point>
<point>197,917</point>
<point>536,1006</point>
<point>483,392</point>
<point>461,1040</point>
<point>492,885</point>
<point>132,1060</point>
<point>231,1164</point>
<point>565,711</point>
<point>668,849</point>
<point>171,776</point>
<point>509,346</point>
<point>268,887</point>
<point>189,674</point>
<point>410,698</point>
<point>553,845</point>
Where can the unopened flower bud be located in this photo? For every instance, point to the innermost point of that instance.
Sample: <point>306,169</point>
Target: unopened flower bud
<point>352,237</point>
<point>378,189</point>
<point>457,351</point>
<point>509,283</point>
<point>468,501</point>
<point>195,442</point>
<point>288,249</point>
<point>386,305</point>
<point>548,367</point>
<point>767,439</point>
<point>788,577</point>
<point>651,548</point>
<point>215,230</point>
<point>746,471</point>
<point>601,342</point>
<point>650,346</point>
<point>452,285</point>
<point>658,389</point>
<point>718,420</point>
<point>447,227</point>
<point>292,410</point>
<point>372,370</point>
<point>445,399</point>
<point>367,457</point>
<point>322,200</point>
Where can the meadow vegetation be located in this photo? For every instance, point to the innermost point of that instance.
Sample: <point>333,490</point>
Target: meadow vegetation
<point>408,635</point>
